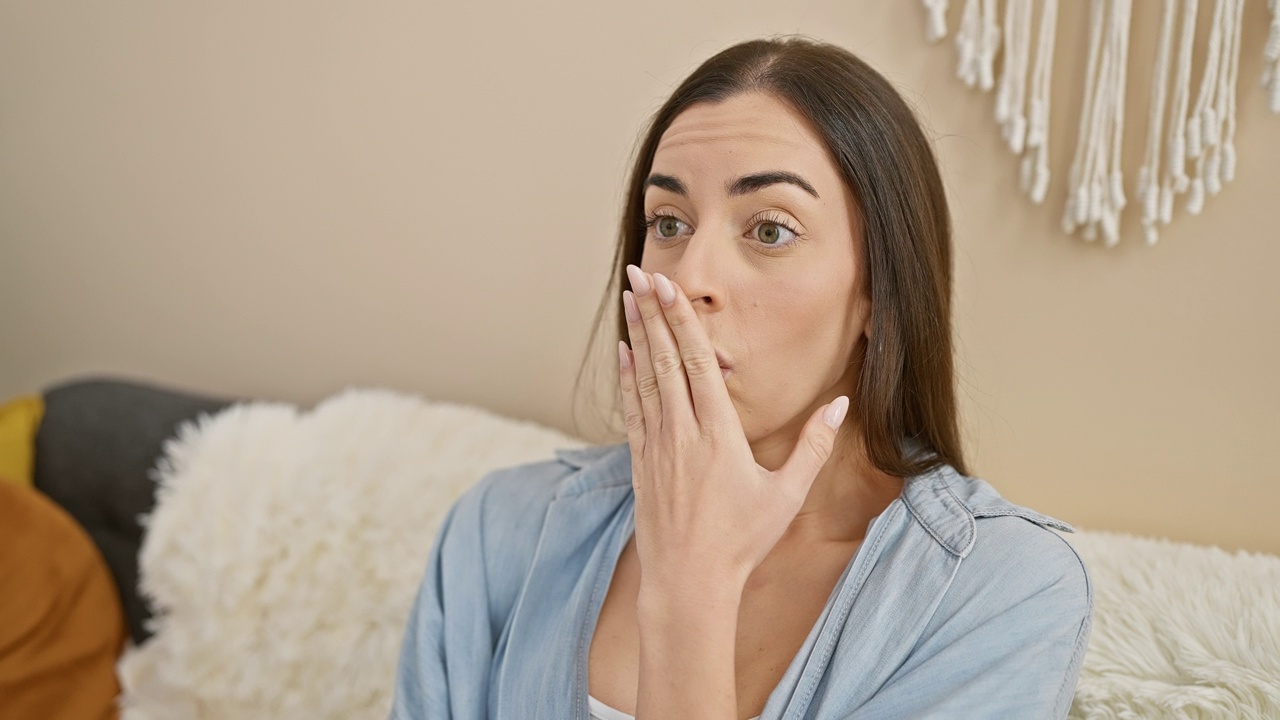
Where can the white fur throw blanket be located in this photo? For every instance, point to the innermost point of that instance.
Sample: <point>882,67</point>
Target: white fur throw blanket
<point>285,550</point>
<point>1179,631</point>
<point>286,547</point>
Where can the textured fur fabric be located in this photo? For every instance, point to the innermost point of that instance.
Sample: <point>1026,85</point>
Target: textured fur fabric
<point>1179,631</point>
<point>286,548</point>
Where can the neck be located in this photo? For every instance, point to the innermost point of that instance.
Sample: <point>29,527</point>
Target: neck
<point>846,494</point>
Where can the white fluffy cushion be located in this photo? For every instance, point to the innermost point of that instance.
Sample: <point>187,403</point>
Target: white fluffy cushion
<point>285,550</point>
<point>1179,631</point>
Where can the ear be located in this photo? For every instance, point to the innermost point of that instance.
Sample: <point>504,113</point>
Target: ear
<point>867,314</point>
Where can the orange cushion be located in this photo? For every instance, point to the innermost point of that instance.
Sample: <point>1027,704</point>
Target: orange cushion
<point>61,625</point>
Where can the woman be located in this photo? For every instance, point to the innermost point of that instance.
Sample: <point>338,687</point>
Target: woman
<point>749,552</point>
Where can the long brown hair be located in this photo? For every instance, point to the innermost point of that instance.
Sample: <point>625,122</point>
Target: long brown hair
<point>906,389</point>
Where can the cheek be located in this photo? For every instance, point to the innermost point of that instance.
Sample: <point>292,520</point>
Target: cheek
<point>794,335</point>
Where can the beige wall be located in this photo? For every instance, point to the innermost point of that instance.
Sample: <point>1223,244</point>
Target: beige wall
<point>282,199</point>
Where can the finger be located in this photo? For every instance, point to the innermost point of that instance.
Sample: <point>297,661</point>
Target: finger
<point>817,440</point>
<point>646,384</point>
<point>632,412</point>
<point>711,404</point>
<point>664,359</point>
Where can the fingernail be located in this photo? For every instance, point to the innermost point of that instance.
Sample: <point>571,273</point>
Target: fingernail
<point>639,283</point>
<point>666,293</point>
<point>629,307</point>
<point>623,360</point>
<point>835,412</point>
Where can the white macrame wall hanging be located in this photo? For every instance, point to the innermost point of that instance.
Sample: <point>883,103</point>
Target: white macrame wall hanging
<point>1190,145</point>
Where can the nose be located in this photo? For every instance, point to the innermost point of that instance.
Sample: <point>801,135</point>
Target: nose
<point>699,271</point>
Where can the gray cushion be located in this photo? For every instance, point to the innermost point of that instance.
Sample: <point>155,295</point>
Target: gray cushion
<point>96,444</point>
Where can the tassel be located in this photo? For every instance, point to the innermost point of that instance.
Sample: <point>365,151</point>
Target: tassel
<point>1228,104</point>
<point>1010,98</point>
<point>1149,173</point>
<point>968,39</point>
<point>937,23</point>
<point>1076,213</point>
<point>1041,81</point>
<point>1178,135</point>
<point>988,46</point>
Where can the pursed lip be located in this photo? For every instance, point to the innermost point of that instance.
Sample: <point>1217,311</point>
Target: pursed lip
<point>723,362</point>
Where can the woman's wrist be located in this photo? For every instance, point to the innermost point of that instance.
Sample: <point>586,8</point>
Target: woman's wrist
<point>661,605</point>
<point>687,650</point>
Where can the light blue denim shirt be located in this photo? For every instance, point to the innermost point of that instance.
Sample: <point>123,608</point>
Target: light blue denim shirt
<point>958,604</point>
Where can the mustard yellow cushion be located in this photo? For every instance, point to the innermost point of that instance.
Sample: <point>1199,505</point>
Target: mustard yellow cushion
<point>61,625</point>
<point>19,420</point>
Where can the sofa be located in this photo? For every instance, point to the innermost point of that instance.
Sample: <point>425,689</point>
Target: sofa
<point>261,559</point>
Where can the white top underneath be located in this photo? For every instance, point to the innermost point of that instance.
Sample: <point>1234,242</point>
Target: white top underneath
<point>600,711</point>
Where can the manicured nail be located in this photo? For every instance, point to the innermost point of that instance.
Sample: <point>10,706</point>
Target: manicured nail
<point>666,293</point>
<point>639,283</point>
<point>623,360</point>
<point>834,414</point>
<point>629,307</point>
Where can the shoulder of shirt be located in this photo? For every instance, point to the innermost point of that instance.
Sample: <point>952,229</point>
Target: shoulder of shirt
<point>950,505</point>
<point>1011,550</point>
<point>968,517</point>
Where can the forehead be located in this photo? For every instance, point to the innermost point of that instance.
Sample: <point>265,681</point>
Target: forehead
<point>746,131</point>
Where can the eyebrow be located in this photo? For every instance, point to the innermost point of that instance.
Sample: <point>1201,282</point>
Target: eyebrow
<point>741,186</point>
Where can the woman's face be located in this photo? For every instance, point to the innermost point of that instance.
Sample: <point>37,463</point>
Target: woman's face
<point>765,239</point>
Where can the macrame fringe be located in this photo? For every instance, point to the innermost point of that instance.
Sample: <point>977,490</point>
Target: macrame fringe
<point>1177,131</point>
